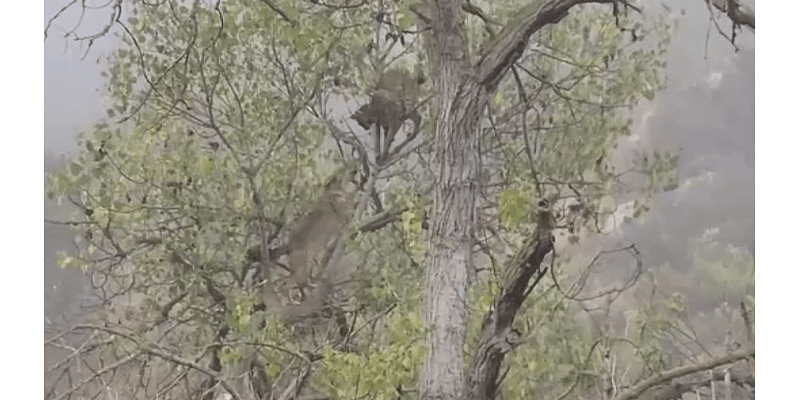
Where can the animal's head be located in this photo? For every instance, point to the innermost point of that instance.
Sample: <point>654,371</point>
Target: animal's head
<point>364,117</point>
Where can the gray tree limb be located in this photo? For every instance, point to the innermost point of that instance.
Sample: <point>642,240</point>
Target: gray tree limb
<point>497,336</point>
<point>638,389</point>
<point>739,14</point>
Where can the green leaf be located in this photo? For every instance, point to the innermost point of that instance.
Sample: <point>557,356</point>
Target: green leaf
<point>403,21</point>
<point>497,100</point>
<point>514,207</point>
<point>75,168</point>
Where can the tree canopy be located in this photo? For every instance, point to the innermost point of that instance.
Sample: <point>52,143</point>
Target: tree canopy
<point>229,154</point>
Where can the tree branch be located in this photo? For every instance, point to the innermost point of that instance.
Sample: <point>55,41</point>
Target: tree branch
<point>98,374</point>
<point>635,391</point>
<point>511,42</point>
<point>675,390</point>
<point>738,13</point>
<point>280,12</point>
<point>497,336</point>
<point>146,348</point>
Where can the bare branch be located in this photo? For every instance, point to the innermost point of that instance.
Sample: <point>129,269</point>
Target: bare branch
<point>676,389</point>
<point>635,391</point>
<point>738,13</point>
<point>381,220</point>
<point>50,21</point>
<point>511,42</point>
<point>280,12</point>
<point>99,373</point>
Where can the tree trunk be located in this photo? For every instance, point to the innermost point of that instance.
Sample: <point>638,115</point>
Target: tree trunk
<point>462,92</point>
<point>459,104</point>
<point>452,232</point>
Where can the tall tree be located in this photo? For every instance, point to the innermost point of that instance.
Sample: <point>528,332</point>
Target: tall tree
<point>464,87</point>
<point>227,127</point>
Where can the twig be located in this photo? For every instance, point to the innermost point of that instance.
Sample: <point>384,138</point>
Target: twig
<point>657,379</point>
<point>275,8</point>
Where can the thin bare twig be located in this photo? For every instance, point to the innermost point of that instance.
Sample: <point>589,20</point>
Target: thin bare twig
<point>280,12</point>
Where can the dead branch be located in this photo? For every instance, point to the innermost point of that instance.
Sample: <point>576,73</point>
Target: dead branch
<point>738,13</point>
<point>658,379</point>
<point>97,374</point>
<point>675,390</point>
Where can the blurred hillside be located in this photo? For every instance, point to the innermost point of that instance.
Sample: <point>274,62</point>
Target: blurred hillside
<point>712,127</point>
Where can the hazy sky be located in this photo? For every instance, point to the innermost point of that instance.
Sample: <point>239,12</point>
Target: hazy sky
<point>72,97</point>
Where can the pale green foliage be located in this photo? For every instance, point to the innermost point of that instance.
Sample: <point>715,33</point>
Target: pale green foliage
<point>723,268</point>
<point>414,234</point>
<point>227,114</point>
<point>164,196</point>
<point>239,315</point>
<point>557,348</point>
<point>555,345</point>
<point>580,77</point>
<point>389,280</point>
<point>381,370</point>
<point>391,259</point>
<point>228,356</point>
<point>514,208</point>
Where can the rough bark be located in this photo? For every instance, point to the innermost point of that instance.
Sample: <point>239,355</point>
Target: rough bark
<point>453,218</point>
<point>463,91</point>
<point>497,335</point>
<point>452,230</point>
